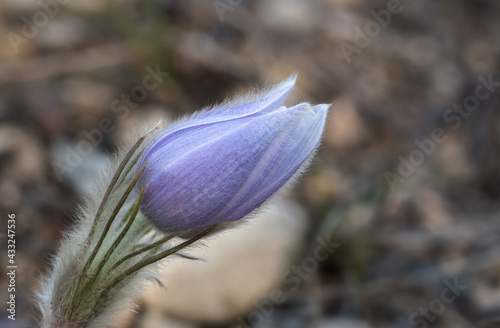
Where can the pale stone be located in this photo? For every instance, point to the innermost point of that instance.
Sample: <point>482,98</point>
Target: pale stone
<point>240,267</point>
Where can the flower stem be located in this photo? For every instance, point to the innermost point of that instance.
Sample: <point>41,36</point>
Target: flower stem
<point>84,272</point>
<point>116,242</point>
<point>112,218</point>
<point>113,183</point>
<point>124,176</point>
<point>145,249</point>
<point>150,260</point>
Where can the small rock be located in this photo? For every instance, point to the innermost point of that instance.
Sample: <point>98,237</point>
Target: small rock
<point>242,265</point>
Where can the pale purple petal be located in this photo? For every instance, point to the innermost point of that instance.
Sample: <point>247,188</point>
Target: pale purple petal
<point>204,173</point>
<point>258,104</point>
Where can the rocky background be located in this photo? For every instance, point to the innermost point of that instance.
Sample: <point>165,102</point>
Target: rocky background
<point>404,194</point>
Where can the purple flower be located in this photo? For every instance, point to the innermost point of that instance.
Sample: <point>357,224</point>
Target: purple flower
<point>219,165</point>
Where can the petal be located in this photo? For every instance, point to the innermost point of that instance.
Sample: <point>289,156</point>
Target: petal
<point>223,178</point>
<point>257,104</point>
<point>200,182</point>
<point>282,160</point>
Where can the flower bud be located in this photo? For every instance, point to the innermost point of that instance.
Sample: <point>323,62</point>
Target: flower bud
<point>219,165</point>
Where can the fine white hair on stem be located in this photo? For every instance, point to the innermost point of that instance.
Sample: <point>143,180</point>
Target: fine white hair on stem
<point>76,244</point>
<point>93,277</point>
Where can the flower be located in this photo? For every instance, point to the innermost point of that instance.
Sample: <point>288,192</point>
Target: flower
<point>219,165</point>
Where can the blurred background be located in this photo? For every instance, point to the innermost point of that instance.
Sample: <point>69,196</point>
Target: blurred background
<point>403,199</point>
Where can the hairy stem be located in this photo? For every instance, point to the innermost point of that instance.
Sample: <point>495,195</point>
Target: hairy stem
<point>150,260</point>
<point>145,249</point>
<point>85,277</point>
<point>115,244</point>
<point>113,182</point>
<point>112,218</point>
